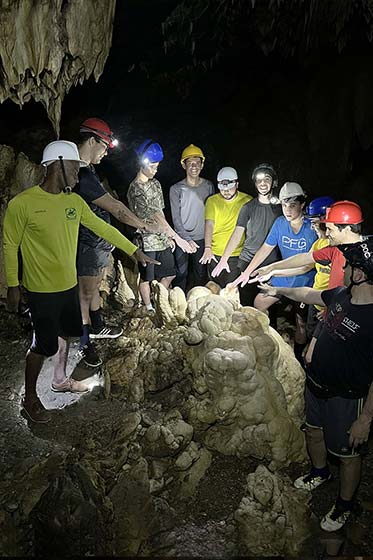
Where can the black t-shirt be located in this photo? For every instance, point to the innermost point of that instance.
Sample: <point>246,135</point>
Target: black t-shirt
<point>90,188</point>
<point>257,219</point>
<point>342,361</point>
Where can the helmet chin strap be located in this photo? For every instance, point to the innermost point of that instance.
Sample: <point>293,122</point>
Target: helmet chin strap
<point>67,189</point>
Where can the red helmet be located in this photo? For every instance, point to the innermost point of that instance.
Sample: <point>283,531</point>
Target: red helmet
<point>101,129</point>
<point>343,212</point>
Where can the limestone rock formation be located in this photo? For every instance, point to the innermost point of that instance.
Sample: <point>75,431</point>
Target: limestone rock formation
<point>272,517</point>
<point>48,47</point>
<point>16,174</point>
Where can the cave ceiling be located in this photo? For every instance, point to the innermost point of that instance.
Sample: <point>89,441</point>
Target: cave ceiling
<point>46,47</point>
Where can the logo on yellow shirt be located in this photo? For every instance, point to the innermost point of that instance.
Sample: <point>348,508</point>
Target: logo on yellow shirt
<point>70,213</point>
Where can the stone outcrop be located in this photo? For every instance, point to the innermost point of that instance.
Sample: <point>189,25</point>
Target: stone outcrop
<point>272,517</point>
<point>48,47</point>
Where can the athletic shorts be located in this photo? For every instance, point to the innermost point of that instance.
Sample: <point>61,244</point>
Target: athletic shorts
<point>53,315</point>
<point>91,261</point>
<point>157,271</point>
<point>335,417</point>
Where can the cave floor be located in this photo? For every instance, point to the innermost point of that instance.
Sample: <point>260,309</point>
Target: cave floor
<point>203,524</point>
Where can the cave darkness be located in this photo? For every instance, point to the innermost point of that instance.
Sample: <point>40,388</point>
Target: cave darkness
<point>308,110</point>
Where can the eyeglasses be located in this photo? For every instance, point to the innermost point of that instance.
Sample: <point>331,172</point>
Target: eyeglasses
<point>100,141</point>
<point>225,185</point>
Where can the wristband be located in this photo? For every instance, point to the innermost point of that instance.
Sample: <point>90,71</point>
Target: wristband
<point>207,246</point>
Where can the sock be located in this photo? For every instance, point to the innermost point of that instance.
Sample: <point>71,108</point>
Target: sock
<point>84,339</point>
<point>96,319</point>
<point>298,350</point>
<point>324,472</point>
<point>344,505</point>
<point>149,307</point>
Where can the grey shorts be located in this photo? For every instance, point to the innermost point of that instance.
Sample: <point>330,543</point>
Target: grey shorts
<point>335,417</point>
<point>91,261</point>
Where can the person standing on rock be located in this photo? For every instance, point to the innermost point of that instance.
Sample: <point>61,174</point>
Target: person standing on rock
<point>145,199</point>
<point>187,200</point>
<point>221,213</point>
<point>43,222</point>
<point>339,389</point>
<point>254,222</point>
<point>95,140</point>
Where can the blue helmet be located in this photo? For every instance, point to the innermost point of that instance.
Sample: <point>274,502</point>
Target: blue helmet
<point>317,207</point>
<point>149,152</point>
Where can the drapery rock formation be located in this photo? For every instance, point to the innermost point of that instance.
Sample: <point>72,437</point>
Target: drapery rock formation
<point>48,47</point>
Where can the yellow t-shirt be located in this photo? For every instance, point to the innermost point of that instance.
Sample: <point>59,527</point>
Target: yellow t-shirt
<point>224,214</point>
<point>45,227</point>
<point>321,281</point>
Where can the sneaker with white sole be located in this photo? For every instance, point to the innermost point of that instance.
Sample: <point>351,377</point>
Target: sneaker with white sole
<point>335,519</point>
<point>310,482</point>
<point>89,355</point>
<point>106,332</point>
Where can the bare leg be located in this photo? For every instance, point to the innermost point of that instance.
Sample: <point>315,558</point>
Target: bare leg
<point>144,289</point>
<point>350,473</point>
<point>166,281</point>
<point>316,447</point>
<point>88,294</point>
<point>300,330</point>
<point>96,300</point>
<point>34,364</point>
<point>263,303</point>
<point>60,361</point>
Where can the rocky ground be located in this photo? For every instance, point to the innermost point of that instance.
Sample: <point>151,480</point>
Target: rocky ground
<point>86,469</point>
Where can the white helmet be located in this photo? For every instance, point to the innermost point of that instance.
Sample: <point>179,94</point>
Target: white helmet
<point>291,190</point>
<point>227,174</point>
<point>61,150</point>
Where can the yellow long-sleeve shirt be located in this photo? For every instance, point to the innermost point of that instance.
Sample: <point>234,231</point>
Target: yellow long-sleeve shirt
<point>45,227</point>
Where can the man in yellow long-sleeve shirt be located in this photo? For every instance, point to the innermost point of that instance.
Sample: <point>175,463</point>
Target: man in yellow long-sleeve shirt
<point>43,222</point>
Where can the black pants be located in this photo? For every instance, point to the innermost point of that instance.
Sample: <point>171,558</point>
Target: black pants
<point>224,277</point>
<point>189,271</point>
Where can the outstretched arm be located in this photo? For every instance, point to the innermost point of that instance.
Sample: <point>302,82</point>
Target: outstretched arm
<point>232,244</point>
<point>120,211</point>
<point>299,260</point>
<point>309,296</point>
<point>264,252</point>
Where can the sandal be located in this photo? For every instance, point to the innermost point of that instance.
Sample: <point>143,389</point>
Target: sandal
<point>70,386</point>
<point>36,412</point>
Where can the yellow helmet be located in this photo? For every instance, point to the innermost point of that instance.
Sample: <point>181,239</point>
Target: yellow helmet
<point>192,151</point>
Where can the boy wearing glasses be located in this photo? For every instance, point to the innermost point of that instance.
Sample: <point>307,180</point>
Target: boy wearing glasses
<point>221,213</point>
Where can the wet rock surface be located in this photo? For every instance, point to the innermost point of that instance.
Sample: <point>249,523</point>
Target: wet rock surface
<point>126,470</point>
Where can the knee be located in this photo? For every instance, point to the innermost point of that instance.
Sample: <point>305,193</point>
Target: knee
<point>260,303</point>
<point>314,436</point>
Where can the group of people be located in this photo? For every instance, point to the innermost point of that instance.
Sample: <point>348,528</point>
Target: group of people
<point>314,256</point>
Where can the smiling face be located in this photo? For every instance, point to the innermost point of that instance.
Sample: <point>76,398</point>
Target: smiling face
<point>193,167</point>
<point>263,183</point>
<point>292,210</point>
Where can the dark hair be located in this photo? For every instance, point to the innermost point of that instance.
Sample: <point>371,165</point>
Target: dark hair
<point>322,226</point>
<point>355,228</point>
<point>84,137</point>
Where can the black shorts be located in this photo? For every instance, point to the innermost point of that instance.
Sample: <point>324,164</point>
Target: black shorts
<point>53,315</point>
<point>335,417</point>
<point>91,261</point>
<point>157,271</point>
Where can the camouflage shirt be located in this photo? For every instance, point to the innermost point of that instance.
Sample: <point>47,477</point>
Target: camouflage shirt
<point>144,199</point>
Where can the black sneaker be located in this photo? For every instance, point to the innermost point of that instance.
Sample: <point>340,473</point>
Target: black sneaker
<point>88,354</point>
<point>106,332</point>
<point>310,482</point>
<point>335,519</point>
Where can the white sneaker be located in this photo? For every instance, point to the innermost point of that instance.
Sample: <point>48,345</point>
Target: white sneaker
<point>309,482</point>
<point>334,519</point>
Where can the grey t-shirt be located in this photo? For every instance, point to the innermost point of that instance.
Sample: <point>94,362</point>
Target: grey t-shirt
<point>257,219</point>
<point>188,208</point>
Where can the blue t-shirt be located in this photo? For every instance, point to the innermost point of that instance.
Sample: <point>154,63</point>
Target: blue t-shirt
<point>290,244</point>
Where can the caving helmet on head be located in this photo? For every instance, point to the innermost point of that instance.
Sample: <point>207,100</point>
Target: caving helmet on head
<point>62,150</point>
<point>192,151</point>
<point>265,168</point>
<point>227,178</point>
<point>359,255</point>
<point>317,207</point>
<point>291,191</point>
<point>343,212</point>
<point>149,152</point>
<point>100,129</point>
